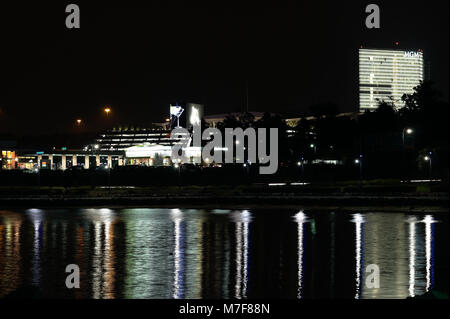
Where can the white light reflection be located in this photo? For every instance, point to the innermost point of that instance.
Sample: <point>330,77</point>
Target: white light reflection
<point>242,220</point>
<point>102,259</point>
<point>108,276</point>
<point>96,274</point>
<point>412,255</point>
<point>428,220</point>
<point>36,218</point>
<point>358,219</point>
<point>300,219</point>
<point>178,287</point>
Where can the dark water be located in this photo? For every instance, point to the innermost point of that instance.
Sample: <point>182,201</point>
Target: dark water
<point>173,253</point>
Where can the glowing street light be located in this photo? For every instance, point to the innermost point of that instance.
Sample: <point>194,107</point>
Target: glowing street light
<point>107,110</point>
<point>78,122</point>
<point>358,161</point>
<point>408,131</point>
<point>300,164</point>
<point>428,159</point>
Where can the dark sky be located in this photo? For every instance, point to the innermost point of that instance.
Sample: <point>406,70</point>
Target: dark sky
<point>139,57</point>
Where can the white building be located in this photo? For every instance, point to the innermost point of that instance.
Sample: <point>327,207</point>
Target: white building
<point>386,75</point>
<point>145,154</point>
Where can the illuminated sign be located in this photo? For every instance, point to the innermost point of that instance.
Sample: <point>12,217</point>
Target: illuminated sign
<point>194,119</point>
<point>176,110</point>
<point>194,114</point>
<point>411,54</point>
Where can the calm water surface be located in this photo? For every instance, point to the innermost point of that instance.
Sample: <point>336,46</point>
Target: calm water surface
<point>193,253</point>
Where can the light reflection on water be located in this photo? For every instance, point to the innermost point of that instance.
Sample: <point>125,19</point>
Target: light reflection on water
<point>301,219</point>
<point>190,253</point>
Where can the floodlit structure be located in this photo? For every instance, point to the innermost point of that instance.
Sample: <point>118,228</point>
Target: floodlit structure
<point>120,139</point>
<point>195,114</point>
<point>148,153</point>
<point>62,159</point>
<point>387,75</point>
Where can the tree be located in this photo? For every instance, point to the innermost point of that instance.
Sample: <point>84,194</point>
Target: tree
<point>247,120</point>
<point>423,99</point>
<point>427,114</point>
<point>269,121</point>
<point>229,121</point>
<point>383,120</point>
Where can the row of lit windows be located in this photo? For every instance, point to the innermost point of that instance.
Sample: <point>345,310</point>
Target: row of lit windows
<point>391,71</point>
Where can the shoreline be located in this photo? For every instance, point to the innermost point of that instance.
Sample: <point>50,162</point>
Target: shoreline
<point>400,202</point>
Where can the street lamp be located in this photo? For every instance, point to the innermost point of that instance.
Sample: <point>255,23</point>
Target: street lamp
<point>78,122</point>
<point>408,131</point>
<point>359,162</point>
<point>428,159</point>
<point>300,164</point>
<point>107,110</point>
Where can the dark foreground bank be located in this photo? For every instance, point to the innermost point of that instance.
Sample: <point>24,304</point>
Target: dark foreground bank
<point>279,194</point>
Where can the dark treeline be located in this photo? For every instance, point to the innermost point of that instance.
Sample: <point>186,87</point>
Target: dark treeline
<point>387,142</point>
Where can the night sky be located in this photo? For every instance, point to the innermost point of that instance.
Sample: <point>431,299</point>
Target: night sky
<point>137,58</point>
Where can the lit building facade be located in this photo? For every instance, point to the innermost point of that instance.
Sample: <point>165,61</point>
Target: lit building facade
<point>8,159</point>
<point>387,75</point>
<point>122,139</point>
